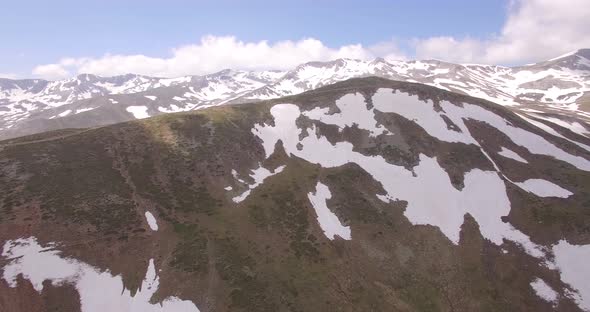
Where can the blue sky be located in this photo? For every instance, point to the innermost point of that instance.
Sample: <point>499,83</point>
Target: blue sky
<point>44,32</point>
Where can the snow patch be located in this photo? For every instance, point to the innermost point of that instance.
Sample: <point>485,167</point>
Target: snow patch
<point>425,116</point>
<point>99,291</point>
<point>172,109</point>
<point>422,113</point>
<point>64,113</point>
<point>544,291</point>
<point>81,110</point>
<point>151,220</point>
<point>353,111</point>
<point>326,218</point>
<point>574,126</point>
<point>543,188</point>
<point>259,175</point>
<point>572,261</point>
<point>512,155</point>
<point>151,97</point>
<point>552,131</point>
<point>385,198</point>
<point>139,112</point>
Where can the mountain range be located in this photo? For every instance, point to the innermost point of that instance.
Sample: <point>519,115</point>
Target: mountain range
<point>560,86</point>
<point>362,195</point>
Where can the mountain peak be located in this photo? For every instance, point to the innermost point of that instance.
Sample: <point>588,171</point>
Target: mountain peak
<point>585,53</point>
<point>578,60</point>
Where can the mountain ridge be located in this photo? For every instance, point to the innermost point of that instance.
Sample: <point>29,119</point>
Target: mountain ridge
<point>553,86</point>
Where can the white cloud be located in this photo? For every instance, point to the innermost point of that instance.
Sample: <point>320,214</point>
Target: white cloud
<point>8,75</point>
<point>214,53</point>
<point>534,30</point>
<point>450,49</point>
<point>388,50</point>
<point>51,71</point>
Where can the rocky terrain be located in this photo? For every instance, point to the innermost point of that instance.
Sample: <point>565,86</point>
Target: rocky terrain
<point>556,87</point>
<point>363,195</point>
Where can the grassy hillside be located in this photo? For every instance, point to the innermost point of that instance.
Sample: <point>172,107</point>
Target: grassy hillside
<point>88,190</point>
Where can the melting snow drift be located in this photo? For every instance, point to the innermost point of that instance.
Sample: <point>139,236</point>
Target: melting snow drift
<point>543,188</point>
<point>512,155</point>
<point>543,290</point>
<point>259,175</point>
<point>139,112</point>
<point>328,220</point>
<point>99,291</point>
<point>151,220</point>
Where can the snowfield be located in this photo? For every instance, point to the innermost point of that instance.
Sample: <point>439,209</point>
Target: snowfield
<point>484,195</point>
<point>99,291</point>
<point>552,131</point>
<point>353,111</point>
<point>484,191</point>
<point>424,115</point>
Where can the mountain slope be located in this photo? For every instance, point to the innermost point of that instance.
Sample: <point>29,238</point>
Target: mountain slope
<point>368,194</point>
<point>28,103</point>
<point>558,86</point>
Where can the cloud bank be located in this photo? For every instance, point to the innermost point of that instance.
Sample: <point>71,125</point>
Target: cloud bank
<point>534,30</point>
<point>215,53</point>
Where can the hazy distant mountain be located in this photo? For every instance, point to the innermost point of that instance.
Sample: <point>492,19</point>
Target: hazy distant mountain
<point>559,86</point>
<point>364,195</point>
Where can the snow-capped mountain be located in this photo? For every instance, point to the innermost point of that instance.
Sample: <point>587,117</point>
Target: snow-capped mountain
<point>557,83</point>
<point>30,106</point>
<point>557,86</point>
